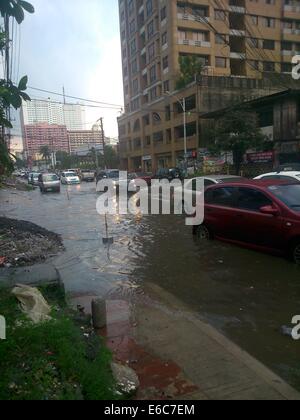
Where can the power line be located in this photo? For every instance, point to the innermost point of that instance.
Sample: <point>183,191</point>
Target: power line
<point>75,97</point>
<point>84,105</point>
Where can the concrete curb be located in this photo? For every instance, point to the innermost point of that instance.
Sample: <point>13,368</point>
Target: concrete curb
<point>36,275</point>
<point>269,377</point>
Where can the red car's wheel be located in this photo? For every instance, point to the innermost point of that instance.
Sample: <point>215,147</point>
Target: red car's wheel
<point>202,232</point>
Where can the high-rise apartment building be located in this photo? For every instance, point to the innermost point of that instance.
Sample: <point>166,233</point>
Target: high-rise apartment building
<point>240,43</point>
<point>86,138</point>
<point>55,137</point>
<point>46,111</point>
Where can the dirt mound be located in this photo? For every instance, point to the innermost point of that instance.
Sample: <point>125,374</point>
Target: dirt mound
<point>24,243</point>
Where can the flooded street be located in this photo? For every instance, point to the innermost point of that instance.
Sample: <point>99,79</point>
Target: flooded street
<point>246,295</point>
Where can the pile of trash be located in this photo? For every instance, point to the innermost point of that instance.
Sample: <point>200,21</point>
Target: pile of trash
<point>24,244</point>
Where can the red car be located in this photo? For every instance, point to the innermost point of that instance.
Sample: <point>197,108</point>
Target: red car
<point>261,215</point>
<point>144,176</point>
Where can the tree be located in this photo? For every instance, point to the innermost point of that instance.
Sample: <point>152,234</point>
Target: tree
<point>10,95</point>
<point>46,153</point>
<point>237,131</point>
<point>191,67</point>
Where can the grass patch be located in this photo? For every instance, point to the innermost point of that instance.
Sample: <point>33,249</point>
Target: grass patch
<point>53,360</point>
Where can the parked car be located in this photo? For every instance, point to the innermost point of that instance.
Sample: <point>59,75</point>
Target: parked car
<point>190,187</point>
<point>261,215</point>
<point>144,176</point>
<point>49,183</point>
<point>88,176</point>
<point>70,178</point>
<point>114,173</point>
<point>168,174</point>
<point>283,175</point>
<point>33,179</point>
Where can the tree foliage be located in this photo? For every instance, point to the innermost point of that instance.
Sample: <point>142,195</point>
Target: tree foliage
<point>15,9</point>
<point>191,67</point>
<point>10,95</point>
<point>237,131</point>
<point>45,152</point>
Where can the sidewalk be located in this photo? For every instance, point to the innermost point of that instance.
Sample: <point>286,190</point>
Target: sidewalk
<point>176,356</point>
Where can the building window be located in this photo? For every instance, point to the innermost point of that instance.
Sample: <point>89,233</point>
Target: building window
<point>152,74</point>
<point>130,7</point>
<point>254,20</point>
<point>166,86</point>
<point>153,94</point>
<point>221,62</point>
<point>134,67</point>
<point>165,62</point>
<point>268,44</point>
<point>220,39</point>
<point>132,27</point>
<point>269,22</point>
<point>135,86</point>
<point>163,13</point>
<point>253,64</point>
<point>286,67</point>
<point>164,38</point>
<point>220,15</point>
<point>133,47</point>
<point>150,29</point>
<point>253,42</point>
<point>151,52</point>
<point>269,66</point>
<point>149,8</point>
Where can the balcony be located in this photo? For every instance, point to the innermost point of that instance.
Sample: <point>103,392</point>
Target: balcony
<point>238,55</point>
<point>190,42</point>
<point>193,18</point>
<point>237,9</point>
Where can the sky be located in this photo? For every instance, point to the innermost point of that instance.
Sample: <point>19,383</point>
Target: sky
<point>75,44</point>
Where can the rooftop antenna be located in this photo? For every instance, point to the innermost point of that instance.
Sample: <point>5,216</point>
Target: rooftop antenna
<point>64,95</point>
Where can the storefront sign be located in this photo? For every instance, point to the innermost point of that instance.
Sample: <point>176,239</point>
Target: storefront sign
<point>262,157</point>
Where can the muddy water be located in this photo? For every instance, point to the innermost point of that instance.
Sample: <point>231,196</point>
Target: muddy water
<point>246,295</point>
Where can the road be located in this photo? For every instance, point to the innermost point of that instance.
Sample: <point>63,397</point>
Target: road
<point>246,295</point>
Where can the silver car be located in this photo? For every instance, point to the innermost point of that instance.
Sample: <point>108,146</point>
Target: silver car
<point>49,183</point>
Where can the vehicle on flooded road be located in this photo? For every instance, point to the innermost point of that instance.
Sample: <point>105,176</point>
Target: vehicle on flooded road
<point>33,179</point>
<point>49,183</point>
<point>87,176</point>
<point>70,178</point>
<point>260,215</point>
<point>283,176</point>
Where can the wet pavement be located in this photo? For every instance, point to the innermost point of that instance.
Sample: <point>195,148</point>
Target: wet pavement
<point>248,296</point>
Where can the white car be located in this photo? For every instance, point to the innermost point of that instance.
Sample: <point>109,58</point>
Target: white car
<point>283,176</point>
<point>190,187</point>
<point>70,178</point>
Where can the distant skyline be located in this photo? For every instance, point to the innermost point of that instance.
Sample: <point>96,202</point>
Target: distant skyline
<point>75,44</point>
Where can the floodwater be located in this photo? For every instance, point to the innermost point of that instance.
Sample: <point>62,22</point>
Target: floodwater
<point>247,295</point>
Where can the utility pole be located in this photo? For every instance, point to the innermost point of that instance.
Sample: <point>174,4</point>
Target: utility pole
<point>103,137</point>
<point>7,71</point>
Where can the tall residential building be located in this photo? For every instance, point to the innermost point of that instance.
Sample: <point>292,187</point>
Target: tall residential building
<point>243,45</point>
<point>46,111</point>
<point>85,139</point>
<point>38,135</point>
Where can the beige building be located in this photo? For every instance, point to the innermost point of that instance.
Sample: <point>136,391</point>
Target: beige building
<point>85,138</point>
<point>245,46</point>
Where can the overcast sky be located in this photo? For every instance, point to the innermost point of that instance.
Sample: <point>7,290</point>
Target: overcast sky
<point>75,43</point>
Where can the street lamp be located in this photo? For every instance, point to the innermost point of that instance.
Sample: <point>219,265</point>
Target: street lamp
<point>182,103</point>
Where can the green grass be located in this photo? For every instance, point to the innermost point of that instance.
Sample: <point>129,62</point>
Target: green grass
<point>52,360</point>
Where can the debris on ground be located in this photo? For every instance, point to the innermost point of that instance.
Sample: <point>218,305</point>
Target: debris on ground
<point>126,379</point>
<point>33,303</point>
<point>16,184</point>
<point>23,243</point>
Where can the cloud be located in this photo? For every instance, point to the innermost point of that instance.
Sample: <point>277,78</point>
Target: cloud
<point>75,43</point>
